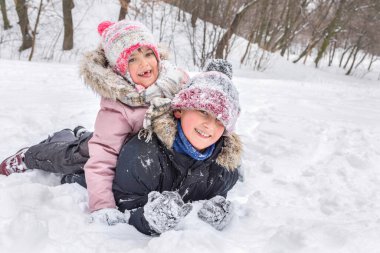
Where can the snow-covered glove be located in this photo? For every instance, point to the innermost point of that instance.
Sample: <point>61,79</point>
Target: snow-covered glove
<point>164,211</point>
<point>217,212</point>
<point>109,216</point>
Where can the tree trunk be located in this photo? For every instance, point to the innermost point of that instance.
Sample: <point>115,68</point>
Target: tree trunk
<point>4,13</point>
<point>124,4</point>
<point>357,49</point>
<point>307,50</point>
<point>373,59</point>
<point>343,54</point>
<point>329,32</point>
<point>223,43</point>
<point>194,16</point>
<point>361,60</point>
<point>353,61</point>
<point>251,36</point>
<point>22,13</point>
<point>35,31</point>
<point>332,53</point>
<point>68,39</point>
<point>349,56</point>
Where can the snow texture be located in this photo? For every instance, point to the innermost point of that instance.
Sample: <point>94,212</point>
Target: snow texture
<point>217,212</point>
<point>311,156</point>
<point>311,167</point>
<point>165,210</point>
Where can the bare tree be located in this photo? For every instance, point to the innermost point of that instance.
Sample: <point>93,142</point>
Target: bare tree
<point>35,30</point>
<point>4,14</point>
<point>68,39</point>
<point>124,4</point>
<point>224,41</point>
<point>330,31</point>
<point>22,13</point>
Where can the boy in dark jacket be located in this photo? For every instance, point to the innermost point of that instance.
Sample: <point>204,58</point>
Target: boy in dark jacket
<point>191,155</point>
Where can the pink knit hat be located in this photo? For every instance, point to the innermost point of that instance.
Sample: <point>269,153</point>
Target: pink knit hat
<point>121,38</point>
<point>212,91</point>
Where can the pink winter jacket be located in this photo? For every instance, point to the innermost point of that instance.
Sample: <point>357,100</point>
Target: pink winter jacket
<point>114,125</point>
<point>115,122</point>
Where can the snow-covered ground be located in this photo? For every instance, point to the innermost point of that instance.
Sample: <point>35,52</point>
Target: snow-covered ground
<point>311,163</point>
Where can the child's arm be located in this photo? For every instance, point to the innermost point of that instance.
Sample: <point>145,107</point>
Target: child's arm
<point>217,210</point>
<point>139,175</point>
<point>112,128</point>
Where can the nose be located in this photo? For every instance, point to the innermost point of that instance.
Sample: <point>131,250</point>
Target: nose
<point>210,122</point>
<point>143,61</point>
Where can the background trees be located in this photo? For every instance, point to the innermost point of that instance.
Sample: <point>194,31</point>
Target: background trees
<point>340,33</point>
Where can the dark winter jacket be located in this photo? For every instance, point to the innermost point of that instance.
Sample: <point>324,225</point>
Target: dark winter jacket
<point>154,166</point>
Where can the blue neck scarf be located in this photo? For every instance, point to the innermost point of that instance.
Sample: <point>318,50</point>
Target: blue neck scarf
<point>183,146</point>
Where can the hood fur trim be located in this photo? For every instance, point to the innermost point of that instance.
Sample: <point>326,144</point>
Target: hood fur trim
<point>165,128</point>
<point>102,79</point>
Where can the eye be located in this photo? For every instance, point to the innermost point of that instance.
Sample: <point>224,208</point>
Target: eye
<point>219,123</point>
<point>204,113</point>
<point>130,60</point>
<point>149,54</point>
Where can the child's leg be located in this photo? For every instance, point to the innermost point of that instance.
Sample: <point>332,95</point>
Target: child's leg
<point>78,178</point>
<point>60,153</point>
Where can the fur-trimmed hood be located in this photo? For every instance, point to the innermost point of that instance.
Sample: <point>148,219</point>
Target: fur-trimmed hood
<point>165,128</point>
<point>102,79</point>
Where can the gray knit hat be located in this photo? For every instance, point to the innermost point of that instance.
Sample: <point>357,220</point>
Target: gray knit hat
<point>212,91</point>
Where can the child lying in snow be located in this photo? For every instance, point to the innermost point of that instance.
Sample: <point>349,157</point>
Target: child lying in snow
<point>192,155</point>
<point>127,71</point>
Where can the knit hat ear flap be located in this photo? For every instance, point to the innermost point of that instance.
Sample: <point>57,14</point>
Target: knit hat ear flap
<point>103,26</point>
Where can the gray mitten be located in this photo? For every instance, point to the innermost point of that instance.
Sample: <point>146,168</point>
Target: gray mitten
<point>217,212</point>
<point>164,211</point>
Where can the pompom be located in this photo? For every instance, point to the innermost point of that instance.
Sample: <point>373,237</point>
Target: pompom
<point>219,65</point>
<point>104,25</point>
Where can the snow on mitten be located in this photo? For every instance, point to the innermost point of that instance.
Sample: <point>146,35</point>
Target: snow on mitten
<point>109,216</point>
<point>217,212</point>
<point>164,211</point>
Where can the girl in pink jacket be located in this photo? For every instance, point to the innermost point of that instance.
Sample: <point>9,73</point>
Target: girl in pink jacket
<point>132,77</point>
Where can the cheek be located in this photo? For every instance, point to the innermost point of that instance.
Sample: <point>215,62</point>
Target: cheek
<point>187,127</point>
<point>219,132</point>
<point>155,66</point>
<point>132,70</point>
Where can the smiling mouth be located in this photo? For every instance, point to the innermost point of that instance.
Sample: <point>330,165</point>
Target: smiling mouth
<point>202,133</point>
<point>145,73</point>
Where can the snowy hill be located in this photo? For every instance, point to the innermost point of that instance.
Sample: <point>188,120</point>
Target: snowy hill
<point>312,155</point>
<point>311,163</point>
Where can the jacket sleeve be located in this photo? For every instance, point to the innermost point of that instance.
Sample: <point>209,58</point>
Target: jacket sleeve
<point>138,172</point>
<point>112,127</point>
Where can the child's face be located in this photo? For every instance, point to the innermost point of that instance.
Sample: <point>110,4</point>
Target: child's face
<point>143,66</point>
<point>200,128</point>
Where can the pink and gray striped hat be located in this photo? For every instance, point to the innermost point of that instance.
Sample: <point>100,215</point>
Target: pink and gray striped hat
<point>121,38</point>
<point>212,91</point>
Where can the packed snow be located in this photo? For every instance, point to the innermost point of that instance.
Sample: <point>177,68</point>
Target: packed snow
<point>311,160</point>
